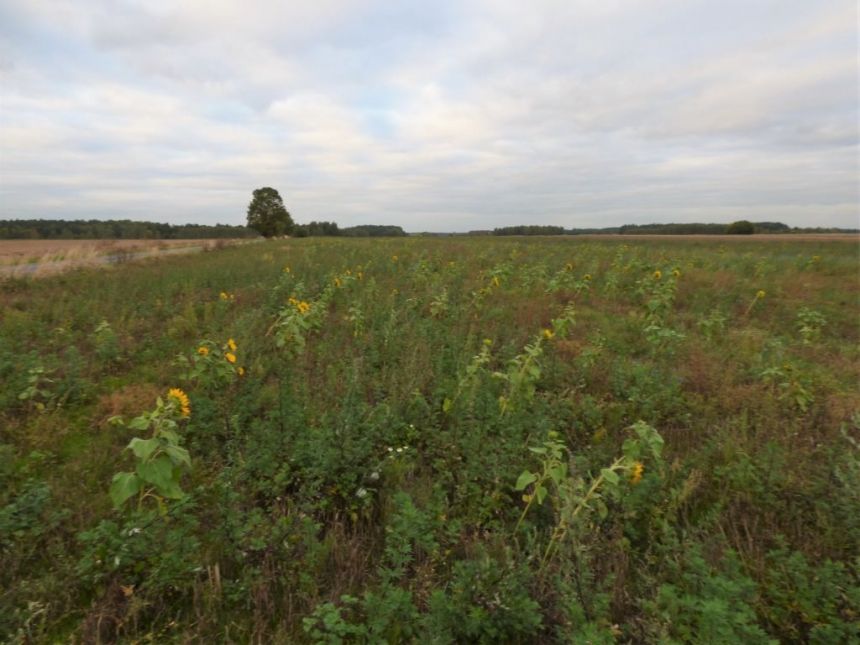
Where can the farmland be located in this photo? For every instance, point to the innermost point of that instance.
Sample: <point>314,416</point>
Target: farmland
<point>37,258</point>
<point>452,440</point>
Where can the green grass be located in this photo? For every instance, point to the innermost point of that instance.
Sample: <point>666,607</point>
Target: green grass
<point>358,481</point>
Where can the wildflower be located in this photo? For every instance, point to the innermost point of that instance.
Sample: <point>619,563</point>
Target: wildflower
<point>231,344</point>
<point>587,277</point>
<point>203,350</point>
<point>496,280</point>
<point>636,472</point>
<point>240,371</point>
<point>548,333</point>
<point>760,294</point>
<point>303,307</point>
<point>224,295</point>
<point>230,356</point>
<point>180,397</point>
<point>337,282</point>
<point>287,270</point>
<point>394,258</point>
<point>658,274</point>
<point>360,275</point>
<point>568,267</point>
<point>676,273</point>
<point>348,272</point>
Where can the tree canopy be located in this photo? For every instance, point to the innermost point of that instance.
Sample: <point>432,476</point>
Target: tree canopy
<point>267,214</point>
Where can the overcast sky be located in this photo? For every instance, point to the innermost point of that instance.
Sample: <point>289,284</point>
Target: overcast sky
<point>434,115</point>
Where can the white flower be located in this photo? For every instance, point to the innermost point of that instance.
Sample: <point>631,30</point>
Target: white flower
<point>361,493</point>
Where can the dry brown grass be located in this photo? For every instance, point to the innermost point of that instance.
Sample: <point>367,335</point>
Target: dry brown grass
<point>38,258</point>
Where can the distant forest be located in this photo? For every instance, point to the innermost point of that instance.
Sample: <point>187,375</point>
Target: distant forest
<point>331,229</point>
<point>742,227</point>
<point>44,229</point>
<point>41,229</point>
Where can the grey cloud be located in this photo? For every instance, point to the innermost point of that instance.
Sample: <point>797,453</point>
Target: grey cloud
<point>443,116</point>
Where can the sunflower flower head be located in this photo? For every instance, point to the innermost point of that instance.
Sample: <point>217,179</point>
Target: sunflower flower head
<point>658,274</point>
<point>181,399</point>
<point>548,334</point>
<point>203,350</point>
<point>636,472</point>
<point>230,356</point>
<point>760,294</point>
<point>231,344</point>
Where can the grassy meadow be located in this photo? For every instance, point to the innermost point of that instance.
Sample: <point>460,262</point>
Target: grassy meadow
<point>461,440</point>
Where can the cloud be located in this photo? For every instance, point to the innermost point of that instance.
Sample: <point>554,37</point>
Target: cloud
<point>442,116</point>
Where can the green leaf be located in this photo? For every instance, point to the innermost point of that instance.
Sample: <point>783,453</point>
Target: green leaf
<point>123,486</point>
<point>143,448</point>
<point>610,475</point>
<point>540,493</point>
<point>178,455</point>
<point>139,423</point>
<point>446,405</point>
<point>557,472</point>
<point>602,511</point>
<point>538,450</point>
<point>524,480</point>
<point>160,473</point>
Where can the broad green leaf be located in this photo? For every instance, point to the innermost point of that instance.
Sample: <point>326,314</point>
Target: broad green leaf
<point>143,448</point>
<point>538,450</point>
<point>179,455</point>
<point>160,473</point>
<point>540,492</point>
<point>139,423</point>
<point>610,475</point>
<point>557,472</point>
<point>123,486</point>
<point>524,480</point>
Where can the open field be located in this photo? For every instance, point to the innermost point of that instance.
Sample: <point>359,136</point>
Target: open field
<point>45,257</point>
<point>458,440</point>
<point>758,237</point>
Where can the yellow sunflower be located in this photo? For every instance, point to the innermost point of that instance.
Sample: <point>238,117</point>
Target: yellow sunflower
<point>181,398</point>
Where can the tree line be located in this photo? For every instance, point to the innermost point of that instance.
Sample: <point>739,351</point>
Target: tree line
<point>741,227</point>
<point>43,229</point>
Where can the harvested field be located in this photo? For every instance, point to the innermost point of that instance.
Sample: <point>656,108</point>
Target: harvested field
<point>36,258</point>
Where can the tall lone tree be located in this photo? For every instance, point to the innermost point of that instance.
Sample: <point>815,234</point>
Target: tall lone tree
<point>267,215</point>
